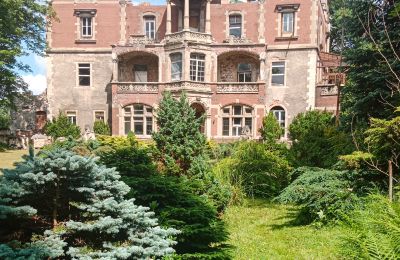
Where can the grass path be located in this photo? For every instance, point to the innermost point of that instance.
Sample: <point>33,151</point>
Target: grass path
<point>263,230</point>
<point>8,158</point>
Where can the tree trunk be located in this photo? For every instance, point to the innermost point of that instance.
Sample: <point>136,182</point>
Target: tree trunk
<point>55,204</point>
<point>390,181</point>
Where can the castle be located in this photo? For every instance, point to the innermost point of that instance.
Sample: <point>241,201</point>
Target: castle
<point>111,60</point>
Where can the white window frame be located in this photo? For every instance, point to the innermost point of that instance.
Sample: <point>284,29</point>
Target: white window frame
<point>274,65</point>
<point>287,26</point>
<point>244,73</point>
<point>285,12</point>
<point>136,115</point>
<point>99,111</point>
<point>151,33</point>
<point>86,20</point>
<point>236,25</point>
<point>280,115</point>
<point>85,26</point>
<point>176,58</point>
<point>197,67</point>
<point>74,115</point>
<point>80,65</point>
<point>228,112</point>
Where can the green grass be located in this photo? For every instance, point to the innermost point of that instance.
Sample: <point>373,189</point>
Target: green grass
<point>264,230</point>
<point>9,157</point>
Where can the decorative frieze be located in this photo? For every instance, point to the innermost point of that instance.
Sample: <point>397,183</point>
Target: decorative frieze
<point>188,85</point>
<point>182,36</point>
<point>236,40</point>
<point>125,88</point>
<point>238,88</point>
<point>329,91</point>
<point>140,40</point>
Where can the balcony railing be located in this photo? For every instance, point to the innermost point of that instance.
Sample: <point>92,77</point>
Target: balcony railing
<point>182,36</point>
<point>190,85</point>
<point>238,87</point>
<point>137,87</point>
<point>334,79</point>
<point>139,40</point>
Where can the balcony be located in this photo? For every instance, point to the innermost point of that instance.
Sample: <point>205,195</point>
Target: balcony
<point>188,85</point>
<point>190,36</point>
<point>137,87</point>
<point>139,40</point>
<point>238,87</point>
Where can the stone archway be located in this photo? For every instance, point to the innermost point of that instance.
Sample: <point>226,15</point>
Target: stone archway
<point>200,111</point>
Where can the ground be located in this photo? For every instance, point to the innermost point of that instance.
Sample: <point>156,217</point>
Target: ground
<point>263,230</point>
<point>9,157</point>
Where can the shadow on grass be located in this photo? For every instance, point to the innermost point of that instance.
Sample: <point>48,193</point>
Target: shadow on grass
<point>295,218</point>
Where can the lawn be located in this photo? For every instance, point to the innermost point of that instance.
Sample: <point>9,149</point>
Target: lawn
<point>8,157</point>
<point>264,230</point>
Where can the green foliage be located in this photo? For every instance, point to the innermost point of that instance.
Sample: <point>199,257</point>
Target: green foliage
<point>177,205</point>
<point>68,206</point>
<point>5,118</point>
<point>271,131</point>
<point>101,128</point>
<point>61,127</point>
<point>116,142</point>
<point>178,138</point>
<point>325,195</point>
<point>22,26</point>
<point>3,147</point>
<point>316,140</point>
<point>255,170</point>
<point>374,230</point>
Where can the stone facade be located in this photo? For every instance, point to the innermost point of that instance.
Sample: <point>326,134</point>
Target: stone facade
<point>226,56</point>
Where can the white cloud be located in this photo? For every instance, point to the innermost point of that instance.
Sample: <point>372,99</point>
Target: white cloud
<point>37,83</point>
<point>40,63</point>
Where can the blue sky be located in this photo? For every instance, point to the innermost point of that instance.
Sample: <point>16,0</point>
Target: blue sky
<point>37,78</point>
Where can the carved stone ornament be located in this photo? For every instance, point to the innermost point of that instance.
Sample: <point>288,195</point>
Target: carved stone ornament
<point>329,91</point>
<point>138,88</point>
<point>238,88</point>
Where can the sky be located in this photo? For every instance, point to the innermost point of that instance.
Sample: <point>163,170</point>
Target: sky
<point>36,79</point>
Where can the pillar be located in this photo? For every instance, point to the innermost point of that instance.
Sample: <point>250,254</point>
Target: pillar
<point>168,17</point>
<point>186,16</point>
<point>261,22</point>
<point>115,67</point>
<point>208,17</point>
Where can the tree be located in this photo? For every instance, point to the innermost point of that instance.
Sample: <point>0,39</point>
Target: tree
<point>101,128</point>
<point>22,28</point>
<point>61,126</point>
<point>178,138</point>
<point>60,204</point>
<point>271,130</point>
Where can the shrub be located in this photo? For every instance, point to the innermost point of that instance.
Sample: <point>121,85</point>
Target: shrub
<point>61,127</point>
<point>374,230</point>
<point>316,140</point>
<point>257,170</point>
<point>271,130</point>
<point>73,208</point>
<point>5,118</point>
<point>3,147</point>
<point>101,128</point>
<point>324,194</point>
<point>116,142</point>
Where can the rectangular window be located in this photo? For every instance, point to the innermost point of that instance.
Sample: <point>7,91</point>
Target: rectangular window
<point>140,72</point>
<point>278,73</point>
<point>235,26</point>
<point>236,126</point>
<point>138,109</point>
<point>86,26</point>
<point>84,74</point>
<point>248,122</point>
<point>226,110</point>
<point>150,27</point>
<point>176,66</point>
<point>197,65</point>
<point>128,125</point>
<point>237,110</point>
<point>287,23</point>
<point>225,126</point>
<point>99,116</point>
<point>138,125</point>
<point>244,72</point>
<point>149,125</point>
<point>71,115</point>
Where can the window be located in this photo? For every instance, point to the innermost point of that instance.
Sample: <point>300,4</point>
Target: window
<point>150,27</point>
<point>235,25</point>
<point>84,74</point>
<point>138,118</point>
<point>176,66</point>
<point>71,115</point>
<point>86,27</point>
<point>99,116</point>
<point>140,73</point>
<point>279,113</point>
<point>244,72</point>
<point>197,64</point>
<point>237,120</point>
<point>278,73</point>
<point>287,23</point>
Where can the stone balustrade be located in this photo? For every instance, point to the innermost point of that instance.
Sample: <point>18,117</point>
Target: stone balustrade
<point>137,87</point>
<point>238,87</point>
<point>188,85</point>
<point>139,40</point>
<point>182,36</point>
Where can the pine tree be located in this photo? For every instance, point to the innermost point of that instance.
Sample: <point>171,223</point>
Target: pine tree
<point>178,139</point>
<point>60,204</point>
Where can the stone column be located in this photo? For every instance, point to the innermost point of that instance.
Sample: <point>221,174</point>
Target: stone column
<point>122,29</point>
<point>208,17</point>
<point>261,22</point>
<point>186,16</point>
<point>115,67</point>
<point>168,17</point>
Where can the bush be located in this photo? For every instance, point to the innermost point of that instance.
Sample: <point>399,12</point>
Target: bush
<point>325,195</point>
<point>3,147</point>
<point>5,118</point>
<point>271,130</point>
<point>374,230</point>
<point>316,140</point>
<point>101,128</point>
<point>116,142</point>
<point>254,169</point>
<point>61,127</point>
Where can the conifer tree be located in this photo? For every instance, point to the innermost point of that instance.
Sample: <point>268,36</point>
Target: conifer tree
<point>178,139</point>
<point>60,204</point>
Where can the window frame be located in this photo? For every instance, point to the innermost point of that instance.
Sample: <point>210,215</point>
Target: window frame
<point>87,27</point>
<point>280,114</point>
<point>99,111</point>
<point>235,25</point>
<point>278,74</point>
<point>196,64</point>
<point>75,112</point>
<point>138,114</point>
<point>291,23</point>
<point>83,15</point>
<point>229,114</point>
<point>80,65</point>
<point>178,60</point>
<point>244,73</point>
<point>283,12</point>
<point>149,19</point>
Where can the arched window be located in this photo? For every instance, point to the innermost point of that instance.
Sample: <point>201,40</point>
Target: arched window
<point>138,118</point>
<point>237,120</point>
<point>197,66</point>
<point>176,66</point>
<point>149,22</point>
<point>235,25</point>
<point>280,115</point>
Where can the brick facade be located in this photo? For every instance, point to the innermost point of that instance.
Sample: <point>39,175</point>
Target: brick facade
<point>136,52</point>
